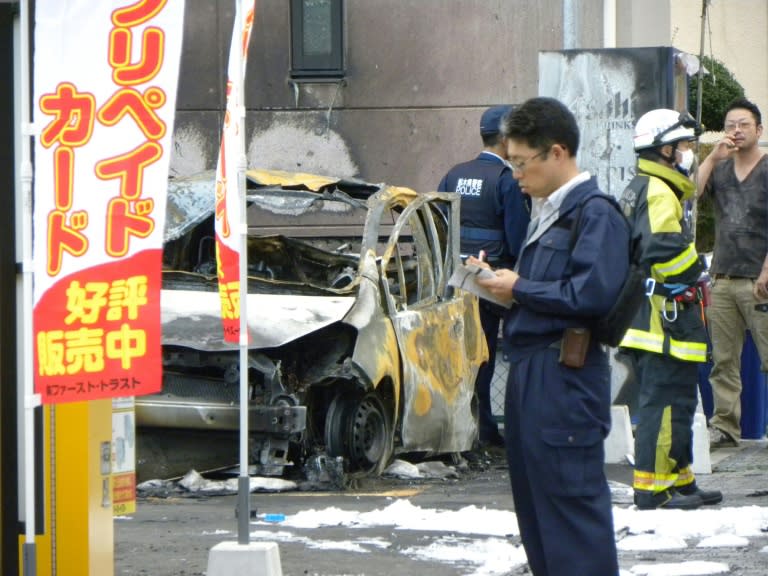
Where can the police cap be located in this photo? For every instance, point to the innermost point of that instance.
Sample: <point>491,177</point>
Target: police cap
<point>490,122</point>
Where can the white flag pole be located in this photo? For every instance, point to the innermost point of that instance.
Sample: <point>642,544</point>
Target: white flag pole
<point>31,400</point>
<point>244,483</point>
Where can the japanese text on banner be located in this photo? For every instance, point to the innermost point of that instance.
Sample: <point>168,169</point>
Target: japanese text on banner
<point>227,198</point>
<point>105,103</point>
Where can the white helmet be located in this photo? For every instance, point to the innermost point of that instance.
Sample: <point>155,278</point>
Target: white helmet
<point>664,126</point>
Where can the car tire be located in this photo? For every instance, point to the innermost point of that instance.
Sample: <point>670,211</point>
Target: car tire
<point>358,429</point>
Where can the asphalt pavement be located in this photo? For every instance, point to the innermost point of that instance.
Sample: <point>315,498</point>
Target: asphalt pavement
<point>172,532</point>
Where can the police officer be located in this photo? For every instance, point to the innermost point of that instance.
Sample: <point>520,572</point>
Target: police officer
<point>558,398</point>
<point>667,338</point>
<point>494,217</point>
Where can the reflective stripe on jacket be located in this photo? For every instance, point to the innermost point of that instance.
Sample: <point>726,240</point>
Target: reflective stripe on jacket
<point>652,203</point>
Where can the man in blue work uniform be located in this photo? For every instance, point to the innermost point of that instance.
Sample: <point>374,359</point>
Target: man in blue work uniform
<point>557,410</point>
<point>494,218</point>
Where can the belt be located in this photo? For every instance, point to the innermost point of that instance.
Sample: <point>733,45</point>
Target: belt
<point>678,292</point>
<point>472,233</point>
<point>731,277</point>
<point>669,306</point>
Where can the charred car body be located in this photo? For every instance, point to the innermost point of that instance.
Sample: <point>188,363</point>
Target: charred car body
<point>358,345</point>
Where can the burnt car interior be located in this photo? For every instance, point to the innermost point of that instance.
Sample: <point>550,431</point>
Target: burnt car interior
<point>293,253</point>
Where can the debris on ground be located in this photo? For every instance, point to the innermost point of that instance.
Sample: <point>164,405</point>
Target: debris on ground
<point>433,469</point>
<point>194,483</point>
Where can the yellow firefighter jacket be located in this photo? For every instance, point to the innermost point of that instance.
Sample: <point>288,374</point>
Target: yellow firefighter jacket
<point>653,204</point>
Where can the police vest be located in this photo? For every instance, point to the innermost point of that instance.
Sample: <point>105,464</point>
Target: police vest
<point>482,219</point>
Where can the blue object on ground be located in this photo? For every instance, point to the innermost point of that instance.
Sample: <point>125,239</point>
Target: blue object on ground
<point>754,409</point>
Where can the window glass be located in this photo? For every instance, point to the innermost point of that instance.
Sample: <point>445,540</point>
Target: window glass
<point>409,269</point>
<point>316,23</point>
<point>317,39</point>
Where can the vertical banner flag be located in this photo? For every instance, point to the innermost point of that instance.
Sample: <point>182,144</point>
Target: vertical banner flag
<point>105,75</point>
<point>227,197</point>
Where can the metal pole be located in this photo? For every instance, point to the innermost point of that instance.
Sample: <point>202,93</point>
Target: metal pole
<point>244,483</point>
<point>570,24</point>
<point>31,401</point>
<point>699,90</point>
<point>700,74</point>
<point>609,23</point>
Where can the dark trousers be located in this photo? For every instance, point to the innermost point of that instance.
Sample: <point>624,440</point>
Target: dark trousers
<point>490,318</point>
<point>555,421</point>
<point>666,406</point>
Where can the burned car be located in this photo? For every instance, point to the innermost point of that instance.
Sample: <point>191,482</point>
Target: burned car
<point>358,345</point>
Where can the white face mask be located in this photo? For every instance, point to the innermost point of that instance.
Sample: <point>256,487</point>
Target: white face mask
<point>686,159</point>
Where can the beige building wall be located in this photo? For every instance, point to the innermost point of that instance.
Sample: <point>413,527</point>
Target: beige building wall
<point>736,33</point>
<point>642,23</point>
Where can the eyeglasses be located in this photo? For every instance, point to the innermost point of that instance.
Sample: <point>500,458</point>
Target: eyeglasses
<point>741,125</point>
<point>520,166</point>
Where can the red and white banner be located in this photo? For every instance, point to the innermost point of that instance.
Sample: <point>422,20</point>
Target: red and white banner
<point>227,193</point>
<point>105,77</point>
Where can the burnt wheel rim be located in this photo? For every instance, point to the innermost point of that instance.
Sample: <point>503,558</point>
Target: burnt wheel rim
<point>367,433</point>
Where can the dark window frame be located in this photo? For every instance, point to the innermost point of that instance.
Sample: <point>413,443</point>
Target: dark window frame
<point>307,65</point>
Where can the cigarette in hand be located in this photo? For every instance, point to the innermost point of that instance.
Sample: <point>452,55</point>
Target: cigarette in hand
<point>481,256</point>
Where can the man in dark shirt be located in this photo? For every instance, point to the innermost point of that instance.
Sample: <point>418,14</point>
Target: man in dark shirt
<point>735,175</point>
<point>494,218</point>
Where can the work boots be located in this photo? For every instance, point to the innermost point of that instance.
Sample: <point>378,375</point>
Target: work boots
<point>667,499</point>
<point>708,497</point>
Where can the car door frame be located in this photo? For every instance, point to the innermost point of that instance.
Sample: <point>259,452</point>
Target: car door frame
<point>439,363</point>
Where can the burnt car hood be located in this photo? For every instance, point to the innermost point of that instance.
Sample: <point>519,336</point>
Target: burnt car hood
<point>191,199</point>
<point>193,319</point>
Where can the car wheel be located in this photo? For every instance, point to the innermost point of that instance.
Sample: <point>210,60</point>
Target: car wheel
<point>358,429</point>
<point>336,425</point>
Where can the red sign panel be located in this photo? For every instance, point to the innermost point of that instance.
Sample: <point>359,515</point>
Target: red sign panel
<point>105,103</point>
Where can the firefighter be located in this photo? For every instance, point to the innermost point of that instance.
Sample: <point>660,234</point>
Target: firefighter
<point>667,339</point>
